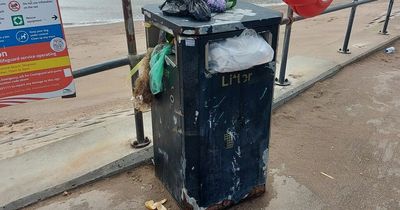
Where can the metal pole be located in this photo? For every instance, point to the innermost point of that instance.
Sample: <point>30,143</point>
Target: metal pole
<point>141,141</point>
<point>101,67</point>
<point>282,81</point>
<point>345,49</point>
<point>389,12</point>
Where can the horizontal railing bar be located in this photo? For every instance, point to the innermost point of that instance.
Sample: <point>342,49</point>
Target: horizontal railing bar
<point>100,67</point>
<point>330,10</point>
<point>105,66</point>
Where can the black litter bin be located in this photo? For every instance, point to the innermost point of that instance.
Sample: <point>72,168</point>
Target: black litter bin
<point>211,130</point>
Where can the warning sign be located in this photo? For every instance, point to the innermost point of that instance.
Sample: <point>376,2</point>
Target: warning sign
<point>34,60</point>
<point>14,6</point>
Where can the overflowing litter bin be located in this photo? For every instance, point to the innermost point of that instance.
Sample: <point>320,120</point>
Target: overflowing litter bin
<point>210,129</point>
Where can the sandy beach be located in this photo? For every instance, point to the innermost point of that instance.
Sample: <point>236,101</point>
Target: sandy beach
<point>111,91</point>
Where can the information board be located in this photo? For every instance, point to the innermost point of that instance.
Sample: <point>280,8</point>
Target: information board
<point>34,60</point>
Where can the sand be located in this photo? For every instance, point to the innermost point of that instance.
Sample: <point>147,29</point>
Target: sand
<point>111,91</point>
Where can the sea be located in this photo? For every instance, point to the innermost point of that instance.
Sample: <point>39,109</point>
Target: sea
<point>95,12</point>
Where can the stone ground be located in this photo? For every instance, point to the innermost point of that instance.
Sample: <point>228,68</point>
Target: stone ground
<point>337,146</point>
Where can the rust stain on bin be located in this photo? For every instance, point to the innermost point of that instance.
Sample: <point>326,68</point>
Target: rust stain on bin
<point>254,193</point>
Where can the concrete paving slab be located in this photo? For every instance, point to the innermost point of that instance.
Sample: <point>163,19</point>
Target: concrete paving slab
<point>70,162</point>
<point>303,71</point>
<point>19,143</point>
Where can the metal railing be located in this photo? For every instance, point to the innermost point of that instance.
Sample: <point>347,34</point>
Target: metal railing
<point>101,67</point>
<point>282,80</point>
<point>141,140</point>
<point>133,58</point>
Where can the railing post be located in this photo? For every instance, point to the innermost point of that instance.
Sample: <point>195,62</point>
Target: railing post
<point>389,12</point>
<point>141,140</point>
<point>282,80</point>
<point>345,48</point>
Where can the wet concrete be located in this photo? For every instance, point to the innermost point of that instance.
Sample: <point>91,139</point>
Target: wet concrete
<point>131,190</point>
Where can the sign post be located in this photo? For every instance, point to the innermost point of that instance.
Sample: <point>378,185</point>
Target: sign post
<point>34,59</point>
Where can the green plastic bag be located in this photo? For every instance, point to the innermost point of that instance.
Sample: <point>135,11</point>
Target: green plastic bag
<point>157,67</point>
<point>230,4</point>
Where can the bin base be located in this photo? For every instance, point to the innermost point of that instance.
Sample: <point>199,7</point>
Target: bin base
<point>254,193</point>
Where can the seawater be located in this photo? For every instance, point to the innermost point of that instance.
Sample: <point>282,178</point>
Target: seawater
<point>92,12</point>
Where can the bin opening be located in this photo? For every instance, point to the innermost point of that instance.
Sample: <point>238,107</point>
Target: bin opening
<point>239,53</point>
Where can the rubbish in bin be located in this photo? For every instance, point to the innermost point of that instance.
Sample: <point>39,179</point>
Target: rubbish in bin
<point>221,6</point>
<point>151,205</point>
<point>142,93</point>
<point>217,5</point>
<point>198,9</point>
<point>174,8</point>
<point>239,53</point>
<point>230,4</point>
<point>157,67</point>
<point>390,50</point>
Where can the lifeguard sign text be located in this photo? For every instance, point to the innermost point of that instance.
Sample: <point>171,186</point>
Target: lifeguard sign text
<point>34,61</point>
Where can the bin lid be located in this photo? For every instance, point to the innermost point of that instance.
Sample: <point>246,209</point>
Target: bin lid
<point>244,15</point>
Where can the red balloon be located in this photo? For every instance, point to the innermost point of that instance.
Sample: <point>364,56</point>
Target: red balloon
<point>308,8</point>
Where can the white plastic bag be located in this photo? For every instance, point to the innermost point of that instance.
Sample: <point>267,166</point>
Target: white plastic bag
<point>239,53</point>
